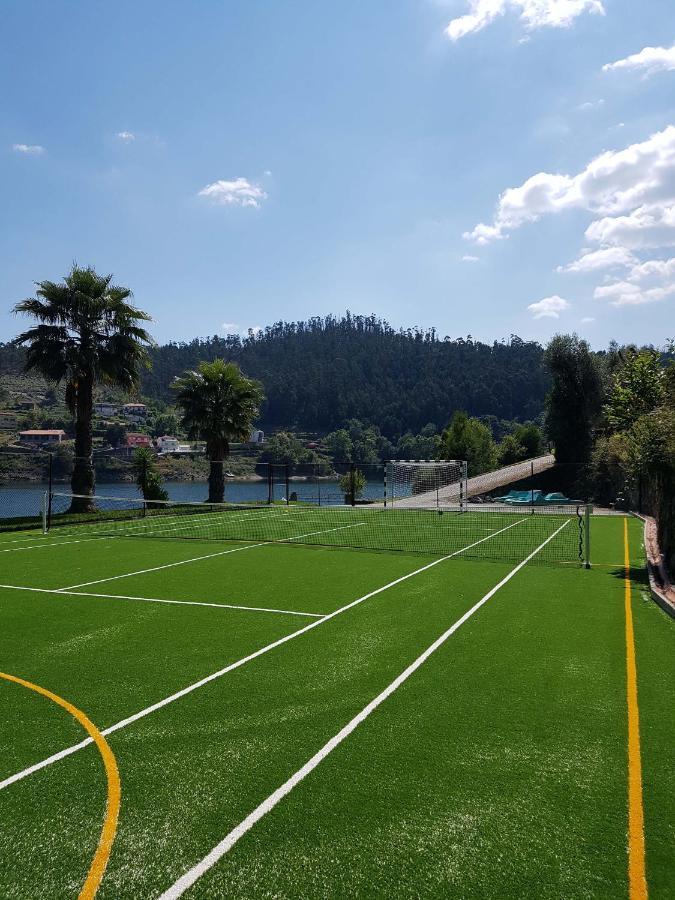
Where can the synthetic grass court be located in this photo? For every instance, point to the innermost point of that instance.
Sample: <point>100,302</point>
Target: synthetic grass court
<point>498,767</point>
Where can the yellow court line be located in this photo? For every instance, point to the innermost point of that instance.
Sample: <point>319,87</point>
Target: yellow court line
<point>637,879</point>
<point>100,860</point>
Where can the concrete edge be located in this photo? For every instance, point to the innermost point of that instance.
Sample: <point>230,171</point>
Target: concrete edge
<point>662,591</point>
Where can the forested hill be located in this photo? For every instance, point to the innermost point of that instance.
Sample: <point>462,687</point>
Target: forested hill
<point>319,373</point>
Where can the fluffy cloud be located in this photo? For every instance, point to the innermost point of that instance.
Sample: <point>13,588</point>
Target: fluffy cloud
<point>624,293</point>
<point>595,260</point>
<point>29,149</point>
<point>533,14</point>
<point>239,192</point>
<point>587,319</point>
<point>614,182</point>
<point>549,307</point>
<point>126,136</point>
<point>470,259</point>
<point>230,328</point>
<point>652,225</point>
<point>649,60</point>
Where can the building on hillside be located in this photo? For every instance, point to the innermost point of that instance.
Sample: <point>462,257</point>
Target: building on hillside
<point>136,440</point>
<point>42,437</point>
<point>256,436</point>
<point>167,444</point>
<point>135,412</point>
<point>106,409</point>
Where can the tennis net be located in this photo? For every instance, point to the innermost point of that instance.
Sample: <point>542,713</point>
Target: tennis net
<point>485,532</point>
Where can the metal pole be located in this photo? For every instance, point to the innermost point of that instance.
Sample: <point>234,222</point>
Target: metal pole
<point>352,483</point>
<point>270,483</point>
<point>287,484</point>
<point>49,493</point>
<point>587,536</point>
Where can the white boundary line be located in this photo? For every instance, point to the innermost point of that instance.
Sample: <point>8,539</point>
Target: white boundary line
<point>183,562</point>
<point>62,754</point>
<point>62,593</point>
<point>54,544</point>
<point>195,873</point>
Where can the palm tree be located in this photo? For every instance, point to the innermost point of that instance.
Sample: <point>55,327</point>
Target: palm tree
<point>219,406</point>
<point>87,333</point>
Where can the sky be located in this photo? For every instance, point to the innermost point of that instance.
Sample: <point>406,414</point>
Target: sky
<point>485,167</point>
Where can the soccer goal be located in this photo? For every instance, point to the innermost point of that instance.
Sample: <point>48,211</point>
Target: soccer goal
<point>425,484</point>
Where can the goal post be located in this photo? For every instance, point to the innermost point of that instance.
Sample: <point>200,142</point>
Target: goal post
<point>425,484</point>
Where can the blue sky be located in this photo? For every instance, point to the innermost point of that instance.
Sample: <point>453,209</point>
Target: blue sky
<point>435,162</point>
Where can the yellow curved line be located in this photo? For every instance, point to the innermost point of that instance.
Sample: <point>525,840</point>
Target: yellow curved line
<point>105,842</point>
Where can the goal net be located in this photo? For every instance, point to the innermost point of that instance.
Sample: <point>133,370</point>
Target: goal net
<point>425,484</point>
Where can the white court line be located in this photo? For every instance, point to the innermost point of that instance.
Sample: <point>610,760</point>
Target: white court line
<point>195,873</point>
<point>62,593</point>
<point>52,544</point>
<point>62,754</point>
<point>184,562</point>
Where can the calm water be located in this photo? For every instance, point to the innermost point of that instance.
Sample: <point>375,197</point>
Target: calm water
<point>21,499</point>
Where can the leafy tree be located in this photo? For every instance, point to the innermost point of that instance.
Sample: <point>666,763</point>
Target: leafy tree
<point>529,436</point>
<point>352,485</point>
<point>339,445</point>
<point>638,388</point>
<point>87,333</point>
<point>165,423</point>
<point>283,448</point>
<point>574,402</point>
<point>219,406</point>
<point>115,435</point>
<point>470,440</point>
<point>148,478</point>
<point>510,451</point>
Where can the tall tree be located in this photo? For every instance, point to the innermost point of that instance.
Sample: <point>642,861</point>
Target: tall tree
<point>87,333</point>
<point>469,440</point>
<point>574,402</point>
<point>220,405</point>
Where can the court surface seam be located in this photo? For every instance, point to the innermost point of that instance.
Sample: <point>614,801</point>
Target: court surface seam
<point>195,873</point>
<point>123,723</point>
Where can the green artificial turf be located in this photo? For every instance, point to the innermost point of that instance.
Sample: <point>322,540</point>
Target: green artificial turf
<point>497,769</point>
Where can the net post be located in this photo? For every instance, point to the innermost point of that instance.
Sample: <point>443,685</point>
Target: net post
<point>352,483</point>
<point>288,479</point>
<point>587,536</point>
<point>270,484</point>
<point>50,489</point>
<point>386,466</point>
<point>464,487</point>
<point>43,510</point>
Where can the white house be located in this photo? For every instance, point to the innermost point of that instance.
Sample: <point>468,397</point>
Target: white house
<point>106,409</point>
<point>256,436</point>
<point>167,444</point>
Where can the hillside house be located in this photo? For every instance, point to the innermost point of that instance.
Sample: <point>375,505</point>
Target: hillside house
<point>106,409</point>
<point>135,412</point>
<point>42,437</point>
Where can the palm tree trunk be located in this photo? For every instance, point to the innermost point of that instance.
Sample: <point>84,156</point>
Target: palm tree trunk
<point>216,481</point>
<point>82,481</point>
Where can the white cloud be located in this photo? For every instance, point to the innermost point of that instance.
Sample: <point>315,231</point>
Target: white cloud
<point>230,328</point>
<point>624,293</point>
<point>591,104</point>
<point>587,319</point>
<point>595,260</point>
<point>549,307</point>
<point>29,149</point>
<point>614,182</point>
<point>649,60</point>
<point>652,225</point>
<point>470,259</point>
<point>239,192</point>
<point>126,136</point>
<point>533,13</point>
